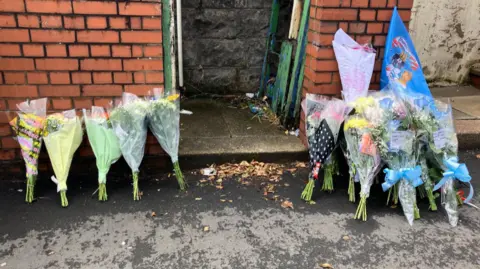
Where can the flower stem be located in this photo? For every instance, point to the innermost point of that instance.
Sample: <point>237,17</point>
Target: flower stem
<point>328,179</point>
<point>102,192</point>
<point>136,194</point>
<point>63,198</point>
<point>29,196</point>
<point>459,200</point>
<point>416,211</point>
<point>431,199</point>
<point>179,175</point>
<point>362,209</point>
<point>308,191</point>
<point>351,190</point>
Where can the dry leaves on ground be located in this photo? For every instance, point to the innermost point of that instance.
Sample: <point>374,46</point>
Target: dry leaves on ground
<point>287,204</point>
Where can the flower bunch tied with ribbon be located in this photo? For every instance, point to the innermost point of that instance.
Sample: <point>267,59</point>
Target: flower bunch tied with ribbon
<point>398,146</point>
<point>62,135</point>
<point>443,151</point>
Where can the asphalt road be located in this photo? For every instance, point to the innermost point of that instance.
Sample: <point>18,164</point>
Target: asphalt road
<point>246,232</point>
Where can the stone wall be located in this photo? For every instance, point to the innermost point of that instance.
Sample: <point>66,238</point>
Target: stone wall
<point>224,43</point>
<point>446,35</point>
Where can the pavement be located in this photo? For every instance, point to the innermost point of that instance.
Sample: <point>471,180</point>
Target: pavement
<point>244,229</point>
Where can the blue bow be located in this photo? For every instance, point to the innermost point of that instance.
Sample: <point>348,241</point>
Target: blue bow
<point>421,102</point>
<point>409,174</point>
<point>457,171</point>
<point>386,103</point>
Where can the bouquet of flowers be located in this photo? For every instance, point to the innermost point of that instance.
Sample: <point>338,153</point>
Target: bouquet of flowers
<point>104,144</point>
<point>62,135</point>
<point>28,128</point>
<point>130,126</point>
<point>352,171</point>
<point>364,156</point>
<point>443,149</point>
<point>164,122</point>
<point>323,124</point>
<point>396,140</point>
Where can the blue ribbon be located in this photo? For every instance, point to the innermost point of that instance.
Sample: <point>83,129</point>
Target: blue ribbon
<point>458,171</point>
<point>386,103</point>
<point>409,174</point>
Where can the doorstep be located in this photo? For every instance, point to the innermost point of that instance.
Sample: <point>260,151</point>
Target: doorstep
<point>465,102</point>
<point>217,132</point>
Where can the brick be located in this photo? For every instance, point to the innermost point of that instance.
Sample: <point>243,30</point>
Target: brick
<point>56,36</point>
<point>378,3</point>
<point>379,41</point>
<point>377,66</point>
<point>327,27</point>
<point>152,23</point>
<point>134,22</point>
<point>56,50</point>
<point>62,104</point>
<point>391,3</point>
<point>326,65</point>
<point>37,78</point>
<point>330,89</point>
<point>139,77</point>
<point>18,91</point>
<point>14,77</point>
<point>60,78</point>
<point>141,37</point>
<point>153,51</point>
<point>97,36</point>
<point>101,64</point>
<point>3,105</point>
<point>49,6</point>
<point>81,103</point>
<point>142,65</point>
<point>74,22</point>
<point>408,4</point>
<point>97,22</point>
<point>14,35</point>
<point>7,154</point>
<point>95,7</point>
<point>9,143</point>
<point>405,15</point>
<point>343,26</point>
<point>81,78</point>
<point>314,25</point>
<point>121,51</point>
<point>102,78</point>
<point>137,51</point>
<point>118,22</point>
<point>336,78</point>
<point>359,3</point>
<point>100,51</point>
<point>103,102</point>
<point>139,9</point>
<point>154,77</point>
<point>356,28</point>
<point>102,90</point>
<point>10,50</point>
<point>367,15</point>
<point>141,90</point>
<point>7,21</point>
<point>322,53</point>
<point>15,64</point>
<point>374,28</point>
<point>122,77</point>
<point>12,103</point>
<point>345,3</point>
<point>5,130</point>
<point>78,50</point>
<point>56,64</point>
<point>384,15</point>
<point>60,91</point>
<point>28,21</point>
<point>326,3</point>
<point>33,50</point>
<point>51,21</point>
<point>11,6</point>
<point>337,14</point>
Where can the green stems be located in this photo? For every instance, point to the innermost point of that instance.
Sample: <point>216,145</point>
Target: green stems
<point>63,198</point>
<point>431,199</point>
<point>29,196</point>
<point>102,192</point>
<point>393,189</point>
<point>351,189</point>
<point>362,209</point>
<point>459,199</point>
<point>179,175</point>
<point>308,191</point>
<point>136,194</point>
<point>328,178</point>
<point>416,211</point>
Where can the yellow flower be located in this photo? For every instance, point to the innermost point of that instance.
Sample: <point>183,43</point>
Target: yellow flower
<point>357,123</point>
<point>173,97</point>
<point>362,103</point>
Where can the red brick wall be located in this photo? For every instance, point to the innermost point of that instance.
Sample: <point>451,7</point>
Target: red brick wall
<point>366,21</point>
<point>78,54</point>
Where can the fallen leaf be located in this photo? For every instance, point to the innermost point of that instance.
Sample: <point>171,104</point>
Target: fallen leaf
<point>206,228</point>
<point>286,132</point>
<point>286,185</point>
<point>153,214</point>
<point>393,206</point>
<point>230,201</point>
<point>219,187</point>
<point>326,266</point>
<point>211,177</point>
<point>3,264</point>
<point>287,204</point>
<point>346,237</point>
<point>244,163</point>
<point>478,156</point>
<point>300,165</point>
<point>198,199</point>
<point>204,180</point>
<point>219,180</point>
<point>50,252</point>
<point>223,200</point>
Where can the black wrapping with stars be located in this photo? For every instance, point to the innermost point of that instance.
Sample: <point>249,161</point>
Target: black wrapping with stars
<point>321,145</point>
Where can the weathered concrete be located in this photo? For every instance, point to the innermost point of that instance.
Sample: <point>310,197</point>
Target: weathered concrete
<point>248,232</point>
<point>447,38</point>
<point>224,43</point>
